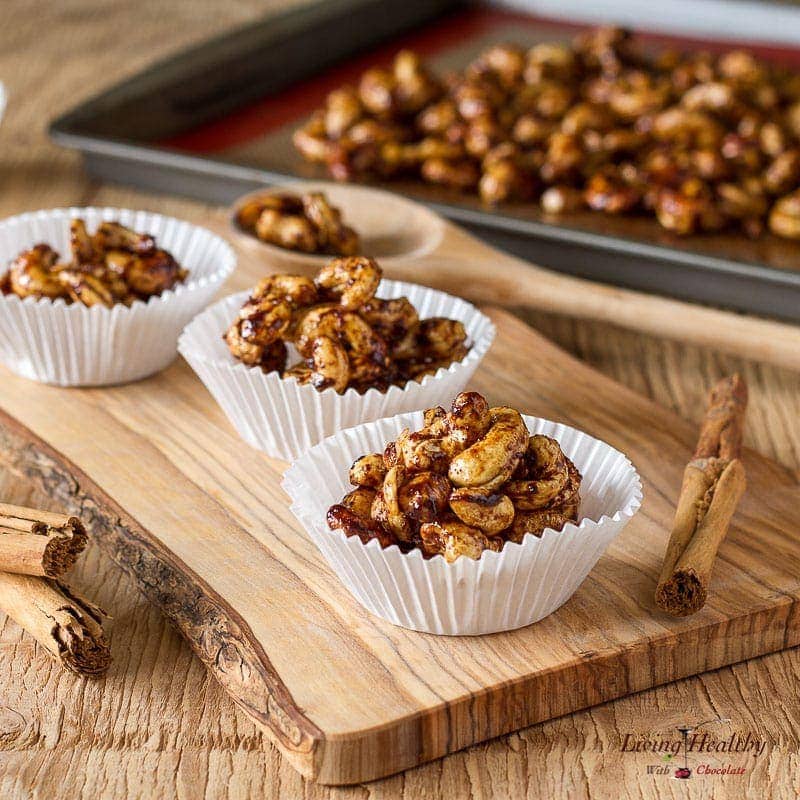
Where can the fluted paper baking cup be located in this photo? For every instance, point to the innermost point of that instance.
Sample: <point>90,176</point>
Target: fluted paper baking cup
<point>520,585</point>
<point>75,345</point>
<point>283,417</point>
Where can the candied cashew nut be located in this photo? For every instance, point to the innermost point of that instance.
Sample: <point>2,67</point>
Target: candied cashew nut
<point>359,501</point>
<point>342,518</point>
<point>347,326</point>
<point>561,200</point>
<point>421,451</point>
<point>32,273</point>
<point>784,218</point>
<point>547,475</point>
<point>300,371</point>
<point>81,244</point>
<point>153,273</point>
<point>783,173</point>
<point>535,522</point>
<point>452,539</point>
<point>273,357</point>
<point>434,416</point>
<point>492,459</point>
<point>606,191</point>
<point>246,351</point>
<point>330,368</point>
<point>342,110</point>
<point>290,231</point>
<point>677,124</point>
<point>353,281</point>
<point>297,289</point>
<point>482,509</point>
<point>264,320</point>
<point>368,471</point>
<point>248,213</point>
<point>467,422</point>
<point>312,142</point>
<point>376,91</point>
<point>332,233</point>
<point>712,96</point>
<point>386,506</point>
<point>423,497</point>
<point>114,236</point>
<point>462,174</point>
<point>390,319</point>
<point>88,289</point>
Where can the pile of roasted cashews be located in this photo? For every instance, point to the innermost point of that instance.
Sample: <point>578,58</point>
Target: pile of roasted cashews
<point>114,265</point>
<point>308,223</point>
<point>470,480</point>
<point>702,142</point>
<point>345,336</point>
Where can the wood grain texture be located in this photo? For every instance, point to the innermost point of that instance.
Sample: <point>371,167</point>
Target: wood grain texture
<point>159,726</point>
<point>207,533</point>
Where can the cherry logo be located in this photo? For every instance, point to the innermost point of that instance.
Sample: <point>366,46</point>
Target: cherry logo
<point>683,773</point>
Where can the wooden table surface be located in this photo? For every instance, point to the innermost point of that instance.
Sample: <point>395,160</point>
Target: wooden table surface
<point>158,726</point>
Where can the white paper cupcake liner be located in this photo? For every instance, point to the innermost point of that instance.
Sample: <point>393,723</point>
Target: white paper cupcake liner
<point>74,345</point>
<point>521,584</point>
<point>284,418</point>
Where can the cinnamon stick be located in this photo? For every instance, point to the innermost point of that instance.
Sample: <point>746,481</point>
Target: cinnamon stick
<point>65,624</point>
<point>713,483</point>
<point>34,542</point>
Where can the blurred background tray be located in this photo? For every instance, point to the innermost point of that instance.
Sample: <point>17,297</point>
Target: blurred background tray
<point>216,121</point>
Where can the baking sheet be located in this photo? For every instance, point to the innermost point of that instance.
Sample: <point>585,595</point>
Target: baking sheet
<point>214,142</point>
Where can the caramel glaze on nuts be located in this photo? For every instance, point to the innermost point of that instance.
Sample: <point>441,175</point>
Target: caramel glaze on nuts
<point>470,480</point>
<point>114,265</point>
<point>345,336</point>
<point>701,142</point>
<point>308,223</point>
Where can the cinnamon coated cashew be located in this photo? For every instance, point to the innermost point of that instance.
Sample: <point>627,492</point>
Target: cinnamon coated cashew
<point>516,484</point>
<point>352,281</point>
<point>332,233</point>
<point>153,273</point>
<point>391,319</point>
<point>359,501</point>
<point>452,539</point>
<point>90,289</point>
<point>492,459</point>
<point>113,236</point>
<point>32,274</point>
<point>337,323</point>
<point>468,420</point>
<point>547,475</point>
<point>290,231</point>
<point>330,368</point>
<point>113,266</point>
<point>423,497</point>
<point>342,518</point>
<point>264,321</point>
<point>535,522</point>
<point>386,508</point>
<point>479,508</point>
<point>297,289</point>
<point>368,471</point>
<point>421,451</point>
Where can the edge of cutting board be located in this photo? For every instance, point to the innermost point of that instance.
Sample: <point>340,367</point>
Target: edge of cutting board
<point>213,628</point>
<point>231,652</point>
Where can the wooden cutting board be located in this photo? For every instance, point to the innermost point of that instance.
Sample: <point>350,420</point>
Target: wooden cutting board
<point>200,520</point>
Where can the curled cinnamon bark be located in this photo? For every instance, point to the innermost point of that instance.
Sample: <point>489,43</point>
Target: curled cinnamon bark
<point>34,542</point>
<point>66,625</point>
<point>713,483</point>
